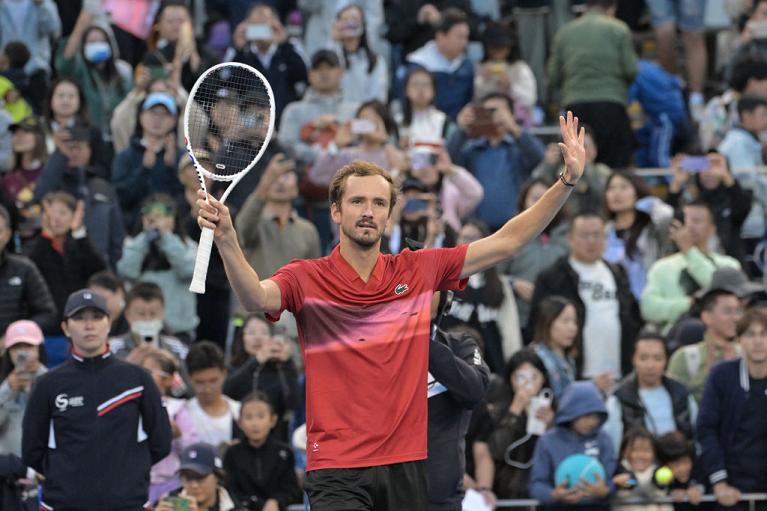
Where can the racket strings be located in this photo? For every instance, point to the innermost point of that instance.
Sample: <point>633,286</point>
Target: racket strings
<point>229,120</point>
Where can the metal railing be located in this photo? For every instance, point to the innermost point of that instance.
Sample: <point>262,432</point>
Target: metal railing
<point>751,498</point>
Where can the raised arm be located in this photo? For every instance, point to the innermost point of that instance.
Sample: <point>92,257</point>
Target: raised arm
<point>501,245</point>
<point>253,293</point>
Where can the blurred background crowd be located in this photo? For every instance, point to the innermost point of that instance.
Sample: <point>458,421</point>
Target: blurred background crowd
<point>640,285</point>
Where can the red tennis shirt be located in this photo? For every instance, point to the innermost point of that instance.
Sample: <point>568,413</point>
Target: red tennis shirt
<point>366,352</point>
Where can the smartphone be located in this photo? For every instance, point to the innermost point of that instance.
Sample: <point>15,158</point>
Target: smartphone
<point>179,503</point>
<point>422,159</point>
<point>22,359</point>
<point>353,29</point>
<point>258,32</point>
<point>158,73</point>
<point>363,127</point>
<point>413,206</point>
<point>758,29</point>
<point>483,125</point>
<point>535,426</point>
<point>695,164</point>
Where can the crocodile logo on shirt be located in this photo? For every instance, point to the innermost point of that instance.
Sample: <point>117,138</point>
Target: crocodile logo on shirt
<point>401,289</point>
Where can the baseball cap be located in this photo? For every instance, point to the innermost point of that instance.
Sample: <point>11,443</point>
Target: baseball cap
<point>733,280</point>
<point>84,299</point>
<point>30,123</point>
<point>162,99</point>
<point>23,331</point>
<point>200,458</point>
<point>325,57</point>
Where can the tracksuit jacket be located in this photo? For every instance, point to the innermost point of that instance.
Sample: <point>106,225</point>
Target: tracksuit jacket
<point>94,427</point>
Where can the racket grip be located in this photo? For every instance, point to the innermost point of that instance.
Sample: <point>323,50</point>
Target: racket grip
<point>201,264</point>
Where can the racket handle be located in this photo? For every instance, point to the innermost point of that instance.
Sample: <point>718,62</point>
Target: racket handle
<point>201,264</point>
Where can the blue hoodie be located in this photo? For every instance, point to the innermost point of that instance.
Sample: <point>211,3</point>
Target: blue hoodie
<point>580,398</point>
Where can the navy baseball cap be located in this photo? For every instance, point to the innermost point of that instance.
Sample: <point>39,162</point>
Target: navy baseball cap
<point>200,458</point>
<point>84,299</point>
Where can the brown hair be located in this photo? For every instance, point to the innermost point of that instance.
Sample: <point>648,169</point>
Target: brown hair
<point>359,168</point>
<point>750,317</point>
<point>65,198</point>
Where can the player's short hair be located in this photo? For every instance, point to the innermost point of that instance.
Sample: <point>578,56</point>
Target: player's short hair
<point>359,168</point>
<point>146,291</point>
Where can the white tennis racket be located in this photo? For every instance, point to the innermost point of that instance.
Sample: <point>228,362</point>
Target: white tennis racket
<point>228,122</point>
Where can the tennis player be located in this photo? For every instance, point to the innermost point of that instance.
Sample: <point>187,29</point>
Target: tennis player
<point>363,321</point>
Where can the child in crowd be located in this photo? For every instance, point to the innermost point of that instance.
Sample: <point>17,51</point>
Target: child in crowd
<point>677,452</point>
<point>260,471</point>
<point>578,430</point>
<point>635,476</point>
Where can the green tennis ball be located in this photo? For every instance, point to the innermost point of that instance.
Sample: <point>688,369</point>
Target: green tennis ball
<point>664,476</point>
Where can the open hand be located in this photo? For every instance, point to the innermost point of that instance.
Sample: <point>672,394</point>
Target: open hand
<point>572,147</point>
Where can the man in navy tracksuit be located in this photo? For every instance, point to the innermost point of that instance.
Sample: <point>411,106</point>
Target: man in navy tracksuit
<point>95,425</point>
<point>732,422</point>
<point>458,380</point>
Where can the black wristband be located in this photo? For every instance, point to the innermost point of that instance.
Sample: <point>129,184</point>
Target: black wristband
<point>564,181</point>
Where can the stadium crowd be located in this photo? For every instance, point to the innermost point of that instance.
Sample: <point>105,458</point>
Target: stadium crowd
<point>633,329</point>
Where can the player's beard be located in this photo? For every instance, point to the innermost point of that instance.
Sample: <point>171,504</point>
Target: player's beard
<point>362,240</point>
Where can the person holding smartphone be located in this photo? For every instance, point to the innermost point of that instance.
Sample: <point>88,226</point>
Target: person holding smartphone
<point>261,41</point>
<point>21,364</point>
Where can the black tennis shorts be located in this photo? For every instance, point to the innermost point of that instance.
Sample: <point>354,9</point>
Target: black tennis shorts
<point>397,487</point>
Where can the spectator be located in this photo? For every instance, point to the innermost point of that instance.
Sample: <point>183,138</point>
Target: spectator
<point>171,45</point>
<point>690,365</point>
<point>105,401</point>
<point>741,144</point>
<point>373,130</point>
<point>647,399</point>
<point>124,118</point>
<point>90,58</point>
<point>272,55</point>
<point>593,61</point>
<point>635,476</point>
<point>420,121</point>
<point>458,191</point>
<point>248,339</point>
<point>457,382</point>
<point>556,335</point>
<point>600,290</point>
<point>34,23</point>
<point>749,78</point>
<point>752,42</point>
<point>672,280</point>
<point>145,315</point>
<point>13,61</point>
<point>537,255</point>
<point>444,58</point>
<point>210,412</point>
<point>637,229</point>
<point>23,291</point>
<point>412,23</point>
<point>163,367</point>
<point>163,254</point>
<point>589,194</point>
<point>65,108</point>
<point>498,152</point>
<point>578,430</point>
<point>503,70</point>
<point>22,363</point>
<point>320,111</point>
<point>69,171</point>
<point>688,16</point>
<point>677,452</point>
<point>201,474</point>
<point>271,371</point>
<point>110,287</point>
<point>13,103</point>
<point>729,201</point>
<point>319,24</point>
<point>150,164</point>
<point>487,305</point>
<point>260,471</point>
<point>666,125</point>
<point>63,252</point>
<point>270,231</point>
<point>510,445</point>
<point>732,414</point>
<point>30,154</point>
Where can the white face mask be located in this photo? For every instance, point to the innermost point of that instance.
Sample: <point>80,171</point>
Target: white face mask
<point>147,329</point>
<point>97,52</point>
